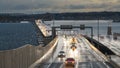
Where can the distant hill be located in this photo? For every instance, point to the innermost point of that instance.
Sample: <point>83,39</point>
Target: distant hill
<point>61,16</point>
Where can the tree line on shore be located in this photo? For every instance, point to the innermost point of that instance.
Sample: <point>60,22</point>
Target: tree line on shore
<point>17,17</point>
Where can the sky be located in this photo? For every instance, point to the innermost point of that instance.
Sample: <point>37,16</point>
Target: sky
<point>58,6</point>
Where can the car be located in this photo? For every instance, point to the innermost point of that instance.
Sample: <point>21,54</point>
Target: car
<point>73,47</point>
<point>73,40</point>
<point>70,62</point>
<point>61,54</point>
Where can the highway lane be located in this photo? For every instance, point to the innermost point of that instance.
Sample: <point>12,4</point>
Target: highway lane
<point>91,58</point>
<point>53,59</point>
<point>84,56</point>
<point>91,64</point>
<point>56,65</point>
<point>58,62</point>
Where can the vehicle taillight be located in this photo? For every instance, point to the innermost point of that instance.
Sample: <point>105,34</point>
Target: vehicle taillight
<point>66,62</point>
<point>73,62</point>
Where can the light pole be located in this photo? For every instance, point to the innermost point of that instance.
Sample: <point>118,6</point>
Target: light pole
<point>98,29</point>
<point>109,30</point>
<point>53,20</point>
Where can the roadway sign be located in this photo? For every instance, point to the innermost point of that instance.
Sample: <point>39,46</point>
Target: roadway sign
<point>66,26</point>
<point>82,26</point>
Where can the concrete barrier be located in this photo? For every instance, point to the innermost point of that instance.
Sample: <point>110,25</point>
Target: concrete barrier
<point>105,50</point>
<point>18,58</point>
<point>48,52</point>
<point>114,60</point>
<point>96,50</point>
<point>105,57</point>
<point>114,64</point>
<point>24,56</point>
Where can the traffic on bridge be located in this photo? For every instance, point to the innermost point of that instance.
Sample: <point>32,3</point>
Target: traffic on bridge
<point>75,52</point>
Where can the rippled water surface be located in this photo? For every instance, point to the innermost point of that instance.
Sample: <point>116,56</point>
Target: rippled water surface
<point>14,35</point>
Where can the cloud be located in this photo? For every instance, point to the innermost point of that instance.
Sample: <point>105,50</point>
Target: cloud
<point>25,6</point>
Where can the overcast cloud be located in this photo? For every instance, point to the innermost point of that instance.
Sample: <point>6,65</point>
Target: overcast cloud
<point>40,6</point>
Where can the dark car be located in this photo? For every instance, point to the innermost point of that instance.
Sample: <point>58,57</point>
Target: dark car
<point>61,54</point>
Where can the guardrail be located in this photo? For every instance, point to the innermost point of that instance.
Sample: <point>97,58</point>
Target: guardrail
<point>115,64</point>
<point>95,49</point>
<point>48,51</point>
<point>24,56</point>
<point>105,56</point>
<point>18,58</point>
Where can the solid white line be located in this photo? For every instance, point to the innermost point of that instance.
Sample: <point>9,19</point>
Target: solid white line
<point>76,66</point>
<point>61,65</point>
<point>91,65</point>
<point>106,65</point>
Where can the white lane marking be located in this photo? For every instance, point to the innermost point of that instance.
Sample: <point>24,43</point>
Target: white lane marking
<point>62,65</point>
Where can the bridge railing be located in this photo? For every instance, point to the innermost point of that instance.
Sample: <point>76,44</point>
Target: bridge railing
<point>24,56</point>
<point>105,56</point>
<point>18,58</point>
<point>48,52</point>
<point>96,50</point>
<point>114,60</point>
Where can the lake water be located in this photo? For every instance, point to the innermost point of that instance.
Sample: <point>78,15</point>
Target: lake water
<point>14,35</point>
